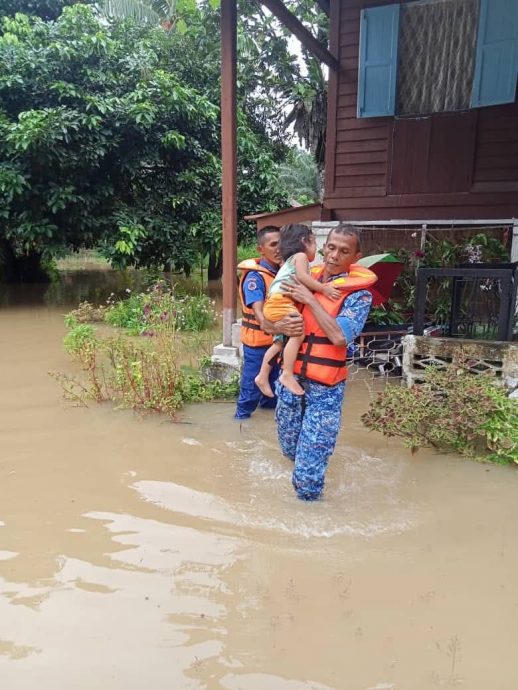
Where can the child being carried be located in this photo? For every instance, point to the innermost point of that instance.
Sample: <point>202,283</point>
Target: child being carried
<point>298,247</point>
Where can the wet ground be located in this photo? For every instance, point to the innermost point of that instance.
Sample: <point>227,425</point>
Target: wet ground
<point>136,553</point>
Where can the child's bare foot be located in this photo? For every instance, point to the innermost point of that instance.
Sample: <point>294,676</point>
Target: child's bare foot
<point>291,383</point>
<point>264,386</point>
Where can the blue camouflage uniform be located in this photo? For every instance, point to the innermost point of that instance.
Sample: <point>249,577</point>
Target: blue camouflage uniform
<point>308,425</point>
<point>254,290</point>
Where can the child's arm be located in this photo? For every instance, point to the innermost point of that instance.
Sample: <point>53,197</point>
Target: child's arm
<point>302,271</point>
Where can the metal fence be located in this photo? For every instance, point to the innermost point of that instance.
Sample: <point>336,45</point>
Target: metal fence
<point>482,300</point>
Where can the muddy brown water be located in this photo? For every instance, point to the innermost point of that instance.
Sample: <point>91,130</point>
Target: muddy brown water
<point>136,553</point>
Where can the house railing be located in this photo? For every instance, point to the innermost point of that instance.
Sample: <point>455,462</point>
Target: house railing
<point>482,301</point>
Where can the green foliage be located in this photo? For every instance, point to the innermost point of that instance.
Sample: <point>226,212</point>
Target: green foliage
<point>148,11</point>
<point>128,314</point>
<point>246,252</point>
<point>109,136</point>
<point>78,337</point>
<point>301,177</point>
<point>452,410</point>
<point>195,387</point>
<point>386,314</point>
<point>143,375</point>
<point>159,308</point>
<point>46,9</point>
<point>442,253</point>
<point>85,313</point>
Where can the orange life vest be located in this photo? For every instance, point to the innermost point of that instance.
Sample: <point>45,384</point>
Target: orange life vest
<point>251,333</point>
<point>318,359</point>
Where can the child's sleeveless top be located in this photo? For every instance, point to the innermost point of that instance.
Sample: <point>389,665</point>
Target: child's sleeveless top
<point>285,272</point>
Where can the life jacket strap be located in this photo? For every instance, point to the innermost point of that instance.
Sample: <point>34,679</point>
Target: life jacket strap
<point>325,361</point>
<point>317,340</point>
<point>250,324</point>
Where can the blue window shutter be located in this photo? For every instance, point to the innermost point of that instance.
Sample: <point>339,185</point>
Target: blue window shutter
<point>379,29</point>
<point>496,67</point>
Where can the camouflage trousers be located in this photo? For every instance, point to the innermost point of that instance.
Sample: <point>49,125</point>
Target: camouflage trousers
<point>307,427</point>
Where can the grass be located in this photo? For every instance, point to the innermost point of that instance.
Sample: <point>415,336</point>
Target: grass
<point>83,260</point>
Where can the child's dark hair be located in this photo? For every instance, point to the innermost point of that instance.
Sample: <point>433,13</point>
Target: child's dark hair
<point>294,237</point>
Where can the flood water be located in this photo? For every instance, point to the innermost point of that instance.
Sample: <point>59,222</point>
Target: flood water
<point>138,553</point>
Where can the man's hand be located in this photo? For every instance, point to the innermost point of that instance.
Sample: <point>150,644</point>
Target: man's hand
<point>290,325</point>
<point>298,292</point>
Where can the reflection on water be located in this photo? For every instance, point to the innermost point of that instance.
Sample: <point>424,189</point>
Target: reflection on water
<point>95,286</point>
<point>135,552</point>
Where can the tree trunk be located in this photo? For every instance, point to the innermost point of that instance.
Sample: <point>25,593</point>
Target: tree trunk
<point>20,269</point>
<point>8,264</point>
<point>31,269</point>
<point>215,269</point>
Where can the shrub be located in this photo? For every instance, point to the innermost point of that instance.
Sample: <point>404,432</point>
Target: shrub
<point>246,252</point>
<point>143,375</point>
<point>160,307</point>
<point>85,313</point>
<point>128,314</point>
<point>451,410</point>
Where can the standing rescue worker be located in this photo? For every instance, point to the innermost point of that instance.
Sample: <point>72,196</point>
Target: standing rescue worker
<point>256,331</point>
<point>308,424</point>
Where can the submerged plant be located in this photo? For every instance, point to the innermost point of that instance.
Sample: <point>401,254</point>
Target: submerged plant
<point>161,307</point>
<point>85,313</point>
<point>453,410</point>
<point>143,374</point>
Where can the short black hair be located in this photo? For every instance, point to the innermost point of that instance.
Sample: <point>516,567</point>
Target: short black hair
<point>294,237</point>
<point>350,231</point>
<point>261,234</point>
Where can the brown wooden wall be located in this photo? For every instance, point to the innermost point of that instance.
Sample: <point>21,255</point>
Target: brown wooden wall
<point>447,166</point>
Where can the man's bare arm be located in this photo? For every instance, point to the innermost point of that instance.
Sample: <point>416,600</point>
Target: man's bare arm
<point>300,293</point>
<point>291,325</point>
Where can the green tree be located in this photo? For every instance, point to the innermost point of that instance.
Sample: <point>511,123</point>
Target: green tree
<point>154,12</point>
<point>293,88</point>
<point>46,9</point>
<point>276,87</point>
<point>105,141</point>
<point>301,177</point>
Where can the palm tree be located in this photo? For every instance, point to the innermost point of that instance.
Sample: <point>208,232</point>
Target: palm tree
<point>301,176</point>
<point>158,12</point>
<point>308,111</point>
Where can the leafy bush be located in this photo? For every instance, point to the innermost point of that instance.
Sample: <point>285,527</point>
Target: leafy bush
<point>451,410</point>
<point>147,312</point>
<point>85,313</point>
<point>141,375</point>
<point>386,314</point>
<point>128,314</point>
<point>246,252</point>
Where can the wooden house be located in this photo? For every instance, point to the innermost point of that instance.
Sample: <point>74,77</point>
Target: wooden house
<point>422,112</point>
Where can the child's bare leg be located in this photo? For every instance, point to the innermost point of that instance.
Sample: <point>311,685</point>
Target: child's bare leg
<point>262,379</point>
<point>289,358</point>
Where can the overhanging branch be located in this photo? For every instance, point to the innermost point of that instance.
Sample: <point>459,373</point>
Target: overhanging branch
<point>290,21</point>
